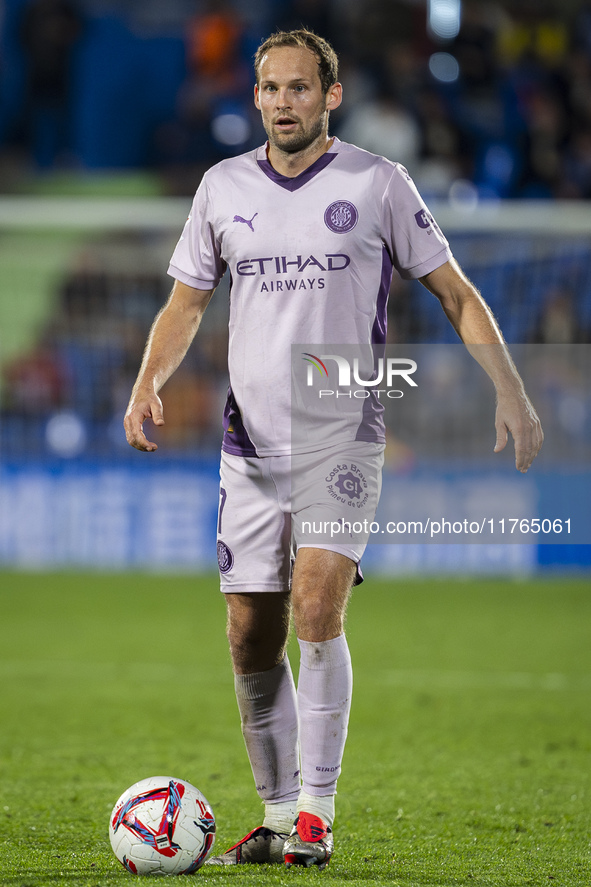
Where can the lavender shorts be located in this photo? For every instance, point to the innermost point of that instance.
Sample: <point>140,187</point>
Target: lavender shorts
<point>273,505</point>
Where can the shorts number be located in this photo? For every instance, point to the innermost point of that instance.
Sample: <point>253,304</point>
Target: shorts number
<point>222,503</point>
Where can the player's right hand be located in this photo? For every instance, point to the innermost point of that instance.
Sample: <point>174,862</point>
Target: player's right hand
<point>141,408</point>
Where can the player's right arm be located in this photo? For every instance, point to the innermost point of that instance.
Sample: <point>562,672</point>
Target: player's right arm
<point>172,332</point>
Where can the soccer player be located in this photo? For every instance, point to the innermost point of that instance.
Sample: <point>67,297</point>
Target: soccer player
<point>310,229</point>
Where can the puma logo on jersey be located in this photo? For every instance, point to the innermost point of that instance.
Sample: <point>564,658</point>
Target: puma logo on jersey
<point>246,221</point>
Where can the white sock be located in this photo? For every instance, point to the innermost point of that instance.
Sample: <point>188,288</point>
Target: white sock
<point>280,817</point>
<point>268,712</point>
<point>324,701</point>
<point>319,806</point>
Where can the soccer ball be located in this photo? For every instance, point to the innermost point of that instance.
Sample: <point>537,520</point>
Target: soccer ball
<point>162,826</point>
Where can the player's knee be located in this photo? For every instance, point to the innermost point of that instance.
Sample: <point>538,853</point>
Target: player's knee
<point>317,617</point>
<point>320,591</point>
<point>252,653</point>
<point>256,644</point>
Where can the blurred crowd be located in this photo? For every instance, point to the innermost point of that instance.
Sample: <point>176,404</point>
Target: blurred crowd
<point>67,393</point>
<point>506,103</point>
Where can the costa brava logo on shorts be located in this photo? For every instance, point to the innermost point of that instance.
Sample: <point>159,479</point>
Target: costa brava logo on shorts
<point>225,557</point>
<point>347,483</point>
<point>341,216</point>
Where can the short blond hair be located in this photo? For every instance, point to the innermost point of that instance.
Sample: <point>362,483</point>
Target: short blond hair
<point>328,63</point>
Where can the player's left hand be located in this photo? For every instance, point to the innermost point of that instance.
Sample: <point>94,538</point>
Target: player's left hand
<point>516,415</point>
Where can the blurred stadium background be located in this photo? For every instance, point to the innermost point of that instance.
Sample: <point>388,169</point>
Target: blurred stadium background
<point>109,114</point>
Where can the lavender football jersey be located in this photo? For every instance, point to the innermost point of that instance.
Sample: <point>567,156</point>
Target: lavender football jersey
<point>311,260</point>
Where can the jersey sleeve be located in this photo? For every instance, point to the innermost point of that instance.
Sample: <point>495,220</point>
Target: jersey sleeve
<point>413,237</point>
<point>196,259</point>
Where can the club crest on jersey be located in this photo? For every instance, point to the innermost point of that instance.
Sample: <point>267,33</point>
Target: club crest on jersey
<point>341,216</point>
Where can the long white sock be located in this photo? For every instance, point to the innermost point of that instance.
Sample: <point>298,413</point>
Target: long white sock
<point>280,817</point>
<point>268,712</point>
<point>324,701</point>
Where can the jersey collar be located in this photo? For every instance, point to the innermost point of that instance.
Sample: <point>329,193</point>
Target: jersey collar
<point>293,184</point>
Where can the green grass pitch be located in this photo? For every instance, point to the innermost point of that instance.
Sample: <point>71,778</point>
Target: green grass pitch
<point>468,761</point>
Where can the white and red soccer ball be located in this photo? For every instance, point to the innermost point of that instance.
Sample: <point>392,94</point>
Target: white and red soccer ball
<point>162,826</point>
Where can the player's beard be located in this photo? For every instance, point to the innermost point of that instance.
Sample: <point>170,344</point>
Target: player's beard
<point>300,140</point>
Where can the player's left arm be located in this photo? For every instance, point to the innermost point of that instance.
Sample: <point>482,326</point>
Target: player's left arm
<point>476,326</point>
